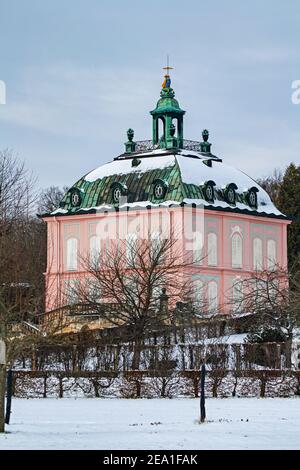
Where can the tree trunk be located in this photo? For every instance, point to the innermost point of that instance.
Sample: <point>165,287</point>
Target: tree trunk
<point>138,388</point>
<point>137,347</point>
<point>263,381</point>
<point>45,387</point>
<point>33,358</point>
<point>61,388</point>
<point>235,386</point>
<point>215,389</point>
<point>96,388</point>
<point>163,388</point>
<point>196,385</point>
<point>74,359</point>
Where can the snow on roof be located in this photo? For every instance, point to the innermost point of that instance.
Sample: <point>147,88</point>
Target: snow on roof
<point>59,211</point>
<point>123,167</point>
<point>193,171</point>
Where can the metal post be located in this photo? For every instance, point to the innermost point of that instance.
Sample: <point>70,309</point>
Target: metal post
<point>2,384</point>
<point>202,395</point>
<point>9,389</point>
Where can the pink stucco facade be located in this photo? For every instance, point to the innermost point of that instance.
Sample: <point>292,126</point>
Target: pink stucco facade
<point>232,245</point>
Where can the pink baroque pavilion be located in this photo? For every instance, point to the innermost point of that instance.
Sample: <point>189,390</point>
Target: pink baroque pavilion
<point>160,184</point>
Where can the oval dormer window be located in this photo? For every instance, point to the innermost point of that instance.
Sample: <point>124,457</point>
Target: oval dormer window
<point>230,194</point>
<point>208,191</point>
<point>252,197</point>
<point>118,190</point>
<point>117,194</point>
<point>75,198</point>
<point>160,189</point>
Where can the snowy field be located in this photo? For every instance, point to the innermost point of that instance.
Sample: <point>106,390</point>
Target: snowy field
<point>236,423</point>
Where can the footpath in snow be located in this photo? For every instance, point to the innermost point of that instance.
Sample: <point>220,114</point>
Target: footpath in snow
<point>237,423</point>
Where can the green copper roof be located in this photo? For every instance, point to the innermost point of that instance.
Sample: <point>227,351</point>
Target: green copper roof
<point>184,175</point>
<point>140,188</point>
<point>167,103</point>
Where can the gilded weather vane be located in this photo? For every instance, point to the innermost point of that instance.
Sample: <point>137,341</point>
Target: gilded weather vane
<point>167,81</point>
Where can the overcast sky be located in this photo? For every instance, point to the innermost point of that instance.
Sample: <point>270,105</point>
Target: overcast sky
<point>79,73</point>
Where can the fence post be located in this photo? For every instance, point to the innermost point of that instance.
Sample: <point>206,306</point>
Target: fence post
<point>202,395</point>
<point>2,396</point>
<point>9,389</point>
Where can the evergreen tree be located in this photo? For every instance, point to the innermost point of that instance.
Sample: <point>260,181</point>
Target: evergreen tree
<point>288,202</point>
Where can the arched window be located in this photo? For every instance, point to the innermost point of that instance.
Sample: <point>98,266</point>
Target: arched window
<point>71,291</point>
<point>257,254</point>
<point>198,247</point>
<point>271,254</point>
<point>95,248</point>
<point>161,128</point>
<point>212,296</point>
<point>131,247</point>
<point>274,290</point>
<point>237,295</point>
<point>155,239</point>
<point>72,254</point>
<point>199,292</point>
<point>212,249</point>
<point>156,293</point>
<point>236,250</point>
<point>93,290</point>
<point>156,245</point>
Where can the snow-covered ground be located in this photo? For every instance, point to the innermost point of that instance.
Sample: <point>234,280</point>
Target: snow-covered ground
<point>232,423</point>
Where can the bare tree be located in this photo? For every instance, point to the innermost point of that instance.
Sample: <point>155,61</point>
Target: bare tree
<point>16,189</point>
<point>272,185</point>
<point>50,198</point>
<point>22,260</point>
<point>16,201</point>
<point>130,278</point>
<point>267,294</point>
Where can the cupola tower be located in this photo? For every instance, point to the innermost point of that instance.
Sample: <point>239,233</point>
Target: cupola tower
<point>169,114</point>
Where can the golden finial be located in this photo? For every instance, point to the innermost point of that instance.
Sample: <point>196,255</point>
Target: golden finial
<point>167,80</point>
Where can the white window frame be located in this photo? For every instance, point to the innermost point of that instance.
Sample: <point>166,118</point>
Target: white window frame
<point>237,294</point>
<point>198,247</point>
<point>212,249</point>
<point>94,291</point>
<point>236,250</point>
<point>130,239</point>
<point>199,292</point>
<point>213,296</point>
<point>72,254</point>
<point>271,254</point>
<point>257,254</point>
<point>71,294</point>
<point>95,248</point>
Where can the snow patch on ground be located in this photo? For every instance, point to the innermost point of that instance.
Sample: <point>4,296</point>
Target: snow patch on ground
<point>237,423</point>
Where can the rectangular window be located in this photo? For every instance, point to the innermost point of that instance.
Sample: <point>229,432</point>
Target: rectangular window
<point>131,248</point>
<point>71,291</point>
<point>72,254</point>
<point>213,301</point>
<point>257,254</point>
<point>212,249</point>
<point>271,254</point>
<point>197,247</point>
<point>237,295</point>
